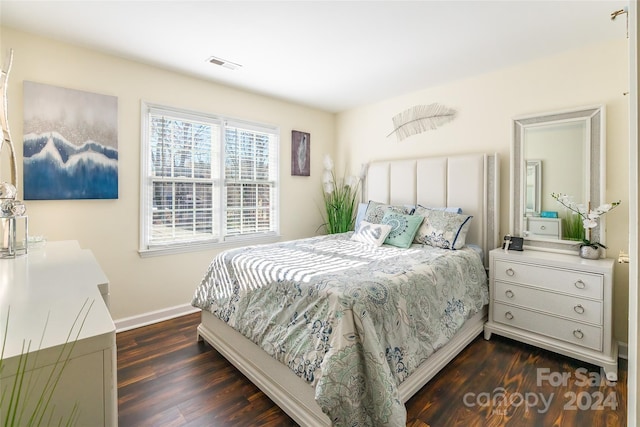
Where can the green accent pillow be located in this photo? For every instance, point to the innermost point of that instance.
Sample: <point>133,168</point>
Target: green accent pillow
<point>403,228</point>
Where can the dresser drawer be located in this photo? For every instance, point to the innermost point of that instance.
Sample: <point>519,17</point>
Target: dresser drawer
<point>546,227</point>
<point>554,327</point>
<point>576,283</point>
<point>582,310</point>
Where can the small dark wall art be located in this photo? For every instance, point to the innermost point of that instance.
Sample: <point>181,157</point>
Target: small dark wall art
<point>70,144</point>
<point>300,153</point>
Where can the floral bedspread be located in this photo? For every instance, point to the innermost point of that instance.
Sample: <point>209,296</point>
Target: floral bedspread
<point>351,319</point>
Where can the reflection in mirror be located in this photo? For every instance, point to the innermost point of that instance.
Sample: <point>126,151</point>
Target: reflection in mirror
<point>533,188</point>
<point>563,149</point>
<point>569,145</point>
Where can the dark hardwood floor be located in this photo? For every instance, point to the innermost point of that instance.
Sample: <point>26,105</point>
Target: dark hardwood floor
<point>166,378</point>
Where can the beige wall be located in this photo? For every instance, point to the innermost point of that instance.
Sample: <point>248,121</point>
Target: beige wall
<point>486,105</point>
<point>110,228</point>
<point>563,159</point>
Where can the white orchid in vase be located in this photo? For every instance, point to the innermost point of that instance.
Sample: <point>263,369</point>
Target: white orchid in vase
<point>339,199</point>
<point>589,216</point>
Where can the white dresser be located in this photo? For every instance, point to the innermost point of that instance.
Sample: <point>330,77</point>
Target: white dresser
<point>559,302</point>
<point>51,286</point>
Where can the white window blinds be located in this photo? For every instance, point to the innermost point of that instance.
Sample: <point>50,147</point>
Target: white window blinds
<point>250,180</point>
<point>206,179</point>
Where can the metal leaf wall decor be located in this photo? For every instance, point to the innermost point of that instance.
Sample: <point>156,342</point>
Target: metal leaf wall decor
<point>421,118</point>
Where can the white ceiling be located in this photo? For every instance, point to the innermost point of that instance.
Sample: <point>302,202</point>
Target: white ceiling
<point>332,55</point>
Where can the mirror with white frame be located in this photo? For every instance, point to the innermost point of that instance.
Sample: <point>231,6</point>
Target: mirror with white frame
<point>533,187</point>
<point>570,144</point>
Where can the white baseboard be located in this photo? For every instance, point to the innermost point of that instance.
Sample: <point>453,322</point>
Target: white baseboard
<point>151,317</point>
<point>623,350</point>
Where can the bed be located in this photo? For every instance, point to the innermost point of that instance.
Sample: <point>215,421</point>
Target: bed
<point>354,329</point>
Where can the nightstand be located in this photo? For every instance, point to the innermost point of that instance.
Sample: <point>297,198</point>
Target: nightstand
<point>558,302</point>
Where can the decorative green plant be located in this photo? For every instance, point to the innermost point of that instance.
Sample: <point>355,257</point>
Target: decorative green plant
<point>17,396</point>
<point>339,199</point>
<point>588,217</point>
<point>572,227</point>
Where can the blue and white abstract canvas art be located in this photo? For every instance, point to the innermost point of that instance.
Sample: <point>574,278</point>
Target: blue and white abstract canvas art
<point>70,144</point>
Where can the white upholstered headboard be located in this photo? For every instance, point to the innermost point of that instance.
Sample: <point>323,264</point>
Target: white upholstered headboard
<point>468,181</point>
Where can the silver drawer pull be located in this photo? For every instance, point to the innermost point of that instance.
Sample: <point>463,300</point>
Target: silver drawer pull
<point>579,309</point>
<point>542,227</point>
<point>580,284</point>
<point>510,272</point>
<point>509,293</point>
<point>508,315</point>
<point>578,334</point>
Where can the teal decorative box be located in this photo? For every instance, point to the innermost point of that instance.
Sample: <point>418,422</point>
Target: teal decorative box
<point>549,214</point>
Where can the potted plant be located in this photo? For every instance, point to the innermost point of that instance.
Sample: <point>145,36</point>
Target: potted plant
<point>339,199</point>
<point>588,249</point>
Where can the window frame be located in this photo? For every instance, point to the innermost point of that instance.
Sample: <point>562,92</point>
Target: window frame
<point>221,240</point>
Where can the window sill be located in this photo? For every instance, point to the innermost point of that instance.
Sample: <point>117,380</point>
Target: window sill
<point>195,247</point>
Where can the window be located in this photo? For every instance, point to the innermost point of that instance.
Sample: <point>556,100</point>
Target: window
<point>205,180</point>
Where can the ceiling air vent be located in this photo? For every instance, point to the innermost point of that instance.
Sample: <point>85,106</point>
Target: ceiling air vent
<point>223,63</point>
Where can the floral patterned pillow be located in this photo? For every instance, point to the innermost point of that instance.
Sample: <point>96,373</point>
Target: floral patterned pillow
<point>442,229</point>
<point>375,211</point>
<point>403,228</point>
<point>373,234</point>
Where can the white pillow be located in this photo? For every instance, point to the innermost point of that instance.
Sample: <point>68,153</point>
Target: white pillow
<point>372,234</point>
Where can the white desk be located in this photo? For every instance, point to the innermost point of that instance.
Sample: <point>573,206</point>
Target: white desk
<point>49,287</point>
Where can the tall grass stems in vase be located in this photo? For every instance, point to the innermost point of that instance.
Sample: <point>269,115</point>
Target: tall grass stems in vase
<point>340,197</point>
<point>589,217</point>
<point>26,400</point>
<point>572,227</point>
